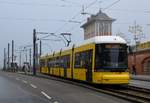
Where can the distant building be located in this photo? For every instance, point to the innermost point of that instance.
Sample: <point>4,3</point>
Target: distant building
<point>144,45</point>
<point>98,25</point>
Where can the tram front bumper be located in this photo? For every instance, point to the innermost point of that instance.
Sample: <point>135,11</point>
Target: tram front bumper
<point>115,79</point>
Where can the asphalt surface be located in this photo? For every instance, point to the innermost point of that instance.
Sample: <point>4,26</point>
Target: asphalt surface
<point>18,88</point>
<point>13,91</point>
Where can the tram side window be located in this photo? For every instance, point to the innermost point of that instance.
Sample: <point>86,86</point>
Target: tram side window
<point>60,61</point>
<point>57,62</point>
<point>49,63</point>
<point>68,61</point>
<point>65,61</point>
<point>83,58</point>
<point>77,60</point>
<point>42,63</point>
<point>52,62</point>
<point>89,58</point>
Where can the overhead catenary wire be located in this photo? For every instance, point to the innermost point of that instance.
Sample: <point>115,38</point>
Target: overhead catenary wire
<point>91,4</point>
<point>48,35</point>
<point>129,10</point>
<point>111,4</point>
<point>52,39</point>
<point>106,8</point>
<point>36,4</point>
<point>74,16</point>
<point>37,19</point>
<point>94,3</point>
<point>71,2</point>
<point>58,37</point>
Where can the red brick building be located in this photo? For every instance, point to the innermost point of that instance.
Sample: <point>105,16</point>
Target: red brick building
<point>141,59</point>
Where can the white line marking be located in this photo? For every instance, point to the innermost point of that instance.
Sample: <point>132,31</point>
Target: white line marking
<point>17,79</point>
<point>55,102</point>
<point>24,81</point>
<point>33,86</point>
<point>47,96</point>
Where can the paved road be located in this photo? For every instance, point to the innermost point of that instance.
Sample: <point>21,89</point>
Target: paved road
<point>17,88</point>
<point>13,91</point>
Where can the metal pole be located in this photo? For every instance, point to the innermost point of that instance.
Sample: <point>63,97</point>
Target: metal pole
<point>20,60</point>
<point>135,38</point>
<point>34,52</point>
<point>8,57</point>
<point>30,57</point>
<point>40,54</point>
<point>26,55</point>
<point>4,68</point>
<point>12,55</point>
<point>36,62</point>
<point>40,47</point>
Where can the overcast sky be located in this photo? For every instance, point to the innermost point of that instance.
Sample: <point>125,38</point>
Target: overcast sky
<point>19,17</point>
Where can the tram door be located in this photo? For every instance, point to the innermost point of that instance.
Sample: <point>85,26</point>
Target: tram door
<point>88,66</point>
<point>49,66</point>
<point>65,66</point>
<point>65,72</point>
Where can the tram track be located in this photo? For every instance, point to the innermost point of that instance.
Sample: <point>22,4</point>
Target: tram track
<point>129,93</point>
<point>132,94</point>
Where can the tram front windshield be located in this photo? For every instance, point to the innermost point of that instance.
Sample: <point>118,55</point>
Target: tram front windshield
<point>111,57</point>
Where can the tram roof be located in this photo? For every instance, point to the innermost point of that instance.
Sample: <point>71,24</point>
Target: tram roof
<point>96,40</point>
<point>105,39</point>
<point>99,40</point>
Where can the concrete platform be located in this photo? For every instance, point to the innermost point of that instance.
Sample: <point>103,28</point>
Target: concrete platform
<point>141,77</point>
<point>140,84</point>
<point>141,81</point>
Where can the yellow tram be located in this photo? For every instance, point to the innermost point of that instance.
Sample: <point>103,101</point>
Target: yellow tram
<point>99,60</point>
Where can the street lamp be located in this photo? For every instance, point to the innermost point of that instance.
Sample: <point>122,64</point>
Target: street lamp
<point>137,32</point>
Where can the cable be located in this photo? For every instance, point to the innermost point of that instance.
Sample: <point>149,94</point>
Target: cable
<point>92,3</point>
<point>128,10</point>
<point>73,17</point>
<point>35,4</point>
<point>40,19</point>
<point>71,2</point>
<point>111,5</point>
<point>64,25</point>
